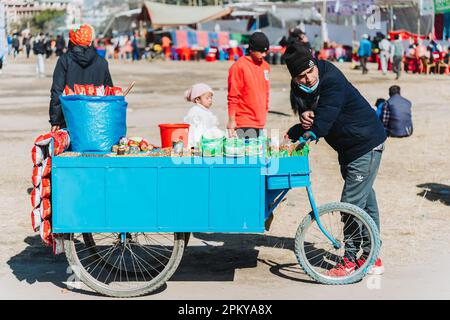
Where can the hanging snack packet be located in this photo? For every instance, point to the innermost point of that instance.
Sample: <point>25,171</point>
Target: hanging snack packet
<point>46,209</point>
<point>46,188</point>
<point>36,219</point>
<point>36,176</point>
<point>35,197</point>
<point>46,232</point>
<point>37,155</point>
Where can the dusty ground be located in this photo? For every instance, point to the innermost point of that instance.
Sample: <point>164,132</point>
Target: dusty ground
<point>413,188</point>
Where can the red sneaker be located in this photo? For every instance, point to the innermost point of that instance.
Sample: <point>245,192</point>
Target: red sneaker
<point>342,270</point>
<point>377,268</point>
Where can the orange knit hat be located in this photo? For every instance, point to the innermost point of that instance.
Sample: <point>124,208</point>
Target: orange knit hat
<point>83,36</point>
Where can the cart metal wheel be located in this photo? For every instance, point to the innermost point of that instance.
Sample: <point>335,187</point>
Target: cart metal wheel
<point>317,255</point>
<point>124,264</point>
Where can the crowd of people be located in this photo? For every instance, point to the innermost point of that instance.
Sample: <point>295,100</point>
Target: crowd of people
<point>393,54</point>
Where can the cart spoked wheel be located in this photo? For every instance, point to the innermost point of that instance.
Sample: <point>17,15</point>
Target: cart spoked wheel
<point>124,264</point>
<point>356,234</point>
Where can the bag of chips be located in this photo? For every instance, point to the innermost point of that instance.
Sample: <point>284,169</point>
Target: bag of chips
<point>100,91</point>
<point>46,209</point>
<point>36,219</point>
<point>43,139</point>
<point>90,90</point>
<point>46,188</point>
<point>68,91</point>
<point>35,197</point>
<point>58,243</point>
<point>116,91</point>
<point>37,156</point>
<point>36,176</point>
<point>46,232</point>
<point>79,89</point>
<point>47,168</point>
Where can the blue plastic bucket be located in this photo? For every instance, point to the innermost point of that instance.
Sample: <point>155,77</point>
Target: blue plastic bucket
<point>95,124</point>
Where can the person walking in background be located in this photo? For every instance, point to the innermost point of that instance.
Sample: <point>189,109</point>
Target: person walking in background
<point>27,45</point>
<point>39,51</point>
<point>16,45</point>
<point>248,90</point>
<point>135,45</point>
<point>397,52</point>
<point>364,52</point>
<point>385,49</point>
<point>2,56</point>
<point>396,114</point>
<point>316,45</point>
<point>60,45</point>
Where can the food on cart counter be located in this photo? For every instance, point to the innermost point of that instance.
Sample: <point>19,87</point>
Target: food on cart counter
<point>134,149</point>
<point>92,90</point>
<point>178,147</point>
<point>254,146</point>
<point>234,147</point>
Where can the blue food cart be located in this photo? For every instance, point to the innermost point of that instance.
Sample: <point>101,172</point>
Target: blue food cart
<point>127,219</point>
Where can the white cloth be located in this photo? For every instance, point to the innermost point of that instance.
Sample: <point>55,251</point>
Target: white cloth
<point>200,119</point>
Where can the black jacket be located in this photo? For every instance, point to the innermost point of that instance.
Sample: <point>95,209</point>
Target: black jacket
<point>342,116</point>
<point>80,65</point>
<point>39,46</point>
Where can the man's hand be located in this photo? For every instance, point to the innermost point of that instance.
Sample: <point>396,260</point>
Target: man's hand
<point>307,119</point>
<point>231,126</point>
<point>56,128</point>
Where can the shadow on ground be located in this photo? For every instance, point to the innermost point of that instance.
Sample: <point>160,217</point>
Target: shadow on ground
<point>435,192</point>
<point>210,261</point>
<point>218,262</point>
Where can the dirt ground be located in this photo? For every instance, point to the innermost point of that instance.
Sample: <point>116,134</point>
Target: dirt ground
<point>413,191</point>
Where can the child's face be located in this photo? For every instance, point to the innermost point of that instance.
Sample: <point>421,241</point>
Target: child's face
<point>205,99</point>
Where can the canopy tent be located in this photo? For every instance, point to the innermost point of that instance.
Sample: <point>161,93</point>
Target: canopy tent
<point>122,22</point>
<point>165,15</point>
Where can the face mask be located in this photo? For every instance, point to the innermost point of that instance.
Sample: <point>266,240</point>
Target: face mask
<point>308,89</point>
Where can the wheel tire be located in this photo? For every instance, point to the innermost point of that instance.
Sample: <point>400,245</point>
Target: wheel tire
<point>154,284</point>
<point>333,207</point>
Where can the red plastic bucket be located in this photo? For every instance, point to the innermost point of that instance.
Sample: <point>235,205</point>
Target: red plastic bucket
<point>173,132</point>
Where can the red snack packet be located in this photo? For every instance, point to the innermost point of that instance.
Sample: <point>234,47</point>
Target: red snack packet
<point>35,197</point>
<point>37,156</point>
<point>46,209</point>
<point>79,89</point>
<point>46,232</point>
<point>46,188</point>
<point>43,139</point>
<point>36,219</point>
<point>68,91</point>
<point>47,168</point>
<point>117,91</point>
<point>90,90</point>
<point>37,176</point>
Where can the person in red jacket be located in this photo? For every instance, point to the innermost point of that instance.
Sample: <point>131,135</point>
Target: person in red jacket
<point>248,90</point>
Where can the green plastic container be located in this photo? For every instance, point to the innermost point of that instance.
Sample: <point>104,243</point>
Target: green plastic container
<point>212,147</point>
<point>255,147</point>
<point>234,147</point>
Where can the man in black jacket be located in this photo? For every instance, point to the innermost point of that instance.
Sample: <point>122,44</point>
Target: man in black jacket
<point>79,65</point>
<point>332,108</point>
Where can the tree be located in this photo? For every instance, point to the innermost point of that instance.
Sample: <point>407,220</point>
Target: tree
<point>48,19</point>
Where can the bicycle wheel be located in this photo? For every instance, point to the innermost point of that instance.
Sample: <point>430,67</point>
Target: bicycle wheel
<point>136,265</point>
<point>355,231</point>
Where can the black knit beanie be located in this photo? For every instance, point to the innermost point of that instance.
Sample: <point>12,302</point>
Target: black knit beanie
<point>298,58</point>
<point>258,42</point>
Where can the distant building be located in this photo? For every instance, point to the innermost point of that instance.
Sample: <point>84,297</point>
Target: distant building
<point>16,10</point>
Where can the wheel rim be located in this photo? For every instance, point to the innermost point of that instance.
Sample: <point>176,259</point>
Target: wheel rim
<point>321,256</point>
<point>124,266</point>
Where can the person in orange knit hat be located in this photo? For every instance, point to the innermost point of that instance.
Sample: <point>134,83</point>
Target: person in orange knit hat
<point>79,65</point>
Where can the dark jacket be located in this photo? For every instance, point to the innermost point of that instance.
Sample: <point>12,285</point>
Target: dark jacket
<point>80,65</point>
<point>39,46</point>
<point>342,116</point>
<point>400,120</point>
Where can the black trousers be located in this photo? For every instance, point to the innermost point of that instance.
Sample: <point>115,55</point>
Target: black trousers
<point>248,133</point>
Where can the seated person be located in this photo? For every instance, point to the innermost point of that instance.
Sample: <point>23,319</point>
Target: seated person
<point>396,114</point>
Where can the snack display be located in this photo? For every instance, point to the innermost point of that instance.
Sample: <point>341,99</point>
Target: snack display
<point>92,90</point>
<point>234,147</point>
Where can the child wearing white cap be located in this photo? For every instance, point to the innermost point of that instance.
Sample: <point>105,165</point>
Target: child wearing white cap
<point>200,117</point>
